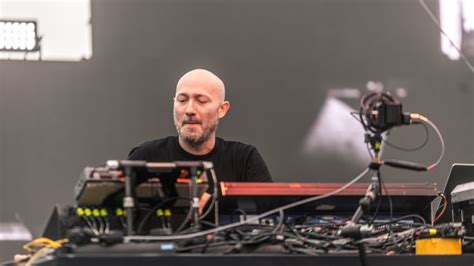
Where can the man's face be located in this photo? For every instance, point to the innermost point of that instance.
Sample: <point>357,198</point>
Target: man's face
<point>197,109</point>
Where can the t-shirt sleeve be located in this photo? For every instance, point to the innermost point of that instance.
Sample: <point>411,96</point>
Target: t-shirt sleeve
<point>256,170</point>
<point>139,153</point>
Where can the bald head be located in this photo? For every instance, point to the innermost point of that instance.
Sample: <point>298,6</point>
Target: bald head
<point>204,79</point>
<point>199,103</point>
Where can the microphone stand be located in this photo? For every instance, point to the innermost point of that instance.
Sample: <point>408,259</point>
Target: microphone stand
<point>194,198</point>
<point>353,229</point>
<point>129,199</point>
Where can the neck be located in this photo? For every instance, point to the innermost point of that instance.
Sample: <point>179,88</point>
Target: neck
<point>202,149</point>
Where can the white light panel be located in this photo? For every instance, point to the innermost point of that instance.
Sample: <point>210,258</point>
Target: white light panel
<point>63,27</point>
<point>18,36</point>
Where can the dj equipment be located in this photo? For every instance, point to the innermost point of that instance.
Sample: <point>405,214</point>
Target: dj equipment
<point>95,226</point>
<point>462,200</point>
<point>257,197</point>
<point>460,173</point>
<point>97,187</point>
<point>124,196</point>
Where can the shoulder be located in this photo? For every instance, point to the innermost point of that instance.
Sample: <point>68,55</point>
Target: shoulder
<point>147,147</point>
<point>156,143</point>
<point>247,158</point>
<point>239,150</point>
<point>235,144</point>
<point>230,145</point>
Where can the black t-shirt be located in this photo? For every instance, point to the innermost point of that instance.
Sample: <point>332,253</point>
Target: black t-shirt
<point>233,161</point>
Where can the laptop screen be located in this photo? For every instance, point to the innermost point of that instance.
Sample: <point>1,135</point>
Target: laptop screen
<point>460,173</point>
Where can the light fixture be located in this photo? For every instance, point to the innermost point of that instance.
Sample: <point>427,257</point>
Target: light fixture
<point>19,36</point>
<point>457,22</point>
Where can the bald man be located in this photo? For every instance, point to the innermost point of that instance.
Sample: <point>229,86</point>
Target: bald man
<point>199,104</point>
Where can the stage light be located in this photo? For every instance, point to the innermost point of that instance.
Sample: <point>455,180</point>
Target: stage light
<point>457,22</point>
<point>335,132</point>
<point>18,36</point>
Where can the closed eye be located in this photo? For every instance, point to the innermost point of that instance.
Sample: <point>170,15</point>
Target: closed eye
<point>202,99</point>
<point>181,99</point>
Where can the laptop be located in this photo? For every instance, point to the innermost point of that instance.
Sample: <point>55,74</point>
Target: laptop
<point>460,173</point>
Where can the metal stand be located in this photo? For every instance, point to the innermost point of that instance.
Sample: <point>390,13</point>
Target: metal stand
<point>370,196</point>
<point>353,229</point>
<point>129,199</point>
<point>194,198</point>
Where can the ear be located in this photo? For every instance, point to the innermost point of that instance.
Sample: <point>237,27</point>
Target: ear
<point>223,109</point>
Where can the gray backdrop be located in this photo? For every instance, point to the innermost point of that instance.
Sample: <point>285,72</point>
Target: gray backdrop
<point>278,60</point>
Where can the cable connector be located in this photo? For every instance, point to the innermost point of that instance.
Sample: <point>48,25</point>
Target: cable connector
<point>418,117</point>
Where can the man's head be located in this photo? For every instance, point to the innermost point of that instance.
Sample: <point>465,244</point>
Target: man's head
<point>199,103</point>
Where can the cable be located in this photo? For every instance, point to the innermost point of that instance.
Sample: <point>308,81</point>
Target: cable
<point>153,210</point>
<point>107,225</point>
<point>370,152</point>
<point>238,210</point>
<point>440,136</point>
<point>237,241</point>
<point>435,20</point>
<point>42,241</point>
<point>414,117</point>
<point>359,119</point>
<point>122,221</point>
<point>96,227</point>
<point>204,215</point>
<point>379,199</point>
<point>404,217</point>
<point>185,222</point>
<point>101,225</point>
<point>280,222</point>
<point>390,203</point>
<point>249,220</point>
<point>37,255</point>
<point>419,147</point>
<point>215,196</point>
<point>93,229</point>
<point>443,210</point>
<point>44,244</point>
<point>298,236</point>
<point>362,253</point>
<point>353,114</point>
<point>214,203</point>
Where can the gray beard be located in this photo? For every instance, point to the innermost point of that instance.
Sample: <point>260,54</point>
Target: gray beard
<point>196,142</point>
<point>193,142</point>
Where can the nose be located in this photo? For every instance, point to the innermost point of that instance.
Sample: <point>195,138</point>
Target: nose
<point>190,111</point>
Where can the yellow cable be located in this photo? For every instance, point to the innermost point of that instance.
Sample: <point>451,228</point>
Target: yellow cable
<point>41,240</point>
<point>36,255</point>
<point>46,243</point>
